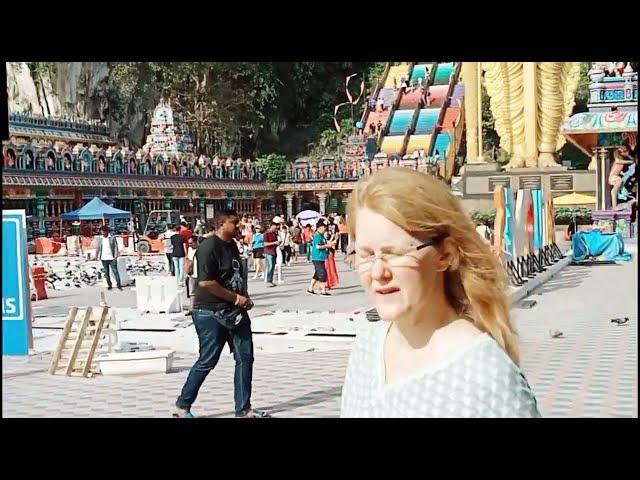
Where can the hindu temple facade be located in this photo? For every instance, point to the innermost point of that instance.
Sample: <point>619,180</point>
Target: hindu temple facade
<point>56,165</point>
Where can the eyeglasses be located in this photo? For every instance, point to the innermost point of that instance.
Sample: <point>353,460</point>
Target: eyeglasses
<point>364,264</point>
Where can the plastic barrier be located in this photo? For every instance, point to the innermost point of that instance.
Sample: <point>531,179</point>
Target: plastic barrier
<point>73,245</point>
<point>158,295</point>
<point>125,279</point>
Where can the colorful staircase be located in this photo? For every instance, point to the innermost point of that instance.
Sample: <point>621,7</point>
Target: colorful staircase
<point>408,124</point>
<point>401,118</point>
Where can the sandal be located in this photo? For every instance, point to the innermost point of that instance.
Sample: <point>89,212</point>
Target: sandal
<point>254,414</point>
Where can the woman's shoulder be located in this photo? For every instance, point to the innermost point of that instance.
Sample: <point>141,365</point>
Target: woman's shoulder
<point>498,378</point>
<point>369,338</point>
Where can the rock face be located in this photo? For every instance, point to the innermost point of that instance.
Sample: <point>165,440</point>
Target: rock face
<point>23,96</point>
<point>76,89</point>
<point>81,89</point>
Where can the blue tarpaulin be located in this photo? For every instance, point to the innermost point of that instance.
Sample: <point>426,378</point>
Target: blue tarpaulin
<point>607,246</point>
<point>96,209</point>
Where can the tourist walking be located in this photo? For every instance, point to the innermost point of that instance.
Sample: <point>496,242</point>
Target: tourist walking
<point>319,253</point>
<point>191,269</point>
<point>307,234</point>
<point>258,251</point>
<point>220,316</point>
<point>270,251</point>
<point>178,256</point>
<point>107,253</point>
<point>343,231</point>
<point>168,247</point>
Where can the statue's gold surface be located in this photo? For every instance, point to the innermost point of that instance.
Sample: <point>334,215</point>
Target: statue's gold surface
<point>529,103</point>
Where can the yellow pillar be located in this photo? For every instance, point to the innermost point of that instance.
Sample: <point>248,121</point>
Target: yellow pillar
<point>471,108</point>
<point>530,114</point>
<point>480,158</point>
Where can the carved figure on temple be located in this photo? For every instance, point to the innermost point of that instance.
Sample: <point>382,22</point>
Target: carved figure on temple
<point>174,168</point>
<point>10,160</point>
<point>207,171</point>
<point>621,160</point>
<point>132,166</point>
<point>215,166</point>
<point>301,174</point>
<point>314,171</point>
<point>246,173</point>
<point>238,169</point>
<point>102,167</point>
<point>228,168</point>
<point>159,167</point>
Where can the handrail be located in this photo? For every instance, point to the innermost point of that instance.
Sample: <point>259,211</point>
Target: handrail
<point>394,107</point>
<point>381,81</point>
<point>458,129</point>
<point>445,106</point>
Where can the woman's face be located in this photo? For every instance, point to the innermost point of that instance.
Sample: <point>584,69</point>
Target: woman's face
<point>412,281</point>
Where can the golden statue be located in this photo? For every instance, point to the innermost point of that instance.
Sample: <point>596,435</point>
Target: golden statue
<point>529,102</point>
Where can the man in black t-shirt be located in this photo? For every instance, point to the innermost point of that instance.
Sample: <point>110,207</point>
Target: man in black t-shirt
<point>221,287</point>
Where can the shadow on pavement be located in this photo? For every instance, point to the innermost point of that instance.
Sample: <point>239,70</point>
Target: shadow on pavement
<point>307,399</point>
<point>570,277</point>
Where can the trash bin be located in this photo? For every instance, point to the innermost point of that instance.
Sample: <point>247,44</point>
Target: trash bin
<point>39,276</point>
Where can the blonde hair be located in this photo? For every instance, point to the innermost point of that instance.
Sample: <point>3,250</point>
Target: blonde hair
<point>475,285</point>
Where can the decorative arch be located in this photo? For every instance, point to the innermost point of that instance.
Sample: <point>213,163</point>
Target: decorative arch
<point>52,161</point>
<point>103,163</point>
<point>159,166</point>
<point>145,168</point>
<point>132,165</point>
<point>86,160</point>
<point>174,169</point>
<point>117,163</point>
<point>27,158</point>
<point>10,157</point>
<point>67,159</point>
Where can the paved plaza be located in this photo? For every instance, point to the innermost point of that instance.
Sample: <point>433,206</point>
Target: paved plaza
<point>590,372</point>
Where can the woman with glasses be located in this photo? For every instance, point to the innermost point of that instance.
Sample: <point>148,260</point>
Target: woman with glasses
<point>446,347</point>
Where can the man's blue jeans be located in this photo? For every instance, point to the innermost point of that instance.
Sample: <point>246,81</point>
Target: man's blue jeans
<point>271,266</point>
<point>213,337</point>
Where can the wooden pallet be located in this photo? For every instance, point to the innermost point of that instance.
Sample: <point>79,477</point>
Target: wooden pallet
<point>81,338</point>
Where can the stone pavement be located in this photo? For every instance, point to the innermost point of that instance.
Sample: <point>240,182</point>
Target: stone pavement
<point>592,372</point>
<point>348,295</point>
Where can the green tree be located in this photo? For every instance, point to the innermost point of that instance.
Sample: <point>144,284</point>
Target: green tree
<point>274,167</point>
<point>490,138</point>
<point>582,92</point>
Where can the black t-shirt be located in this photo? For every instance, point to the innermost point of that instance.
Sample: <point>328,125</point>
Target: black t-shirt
<point>177,241</point>
<point>220,261</point>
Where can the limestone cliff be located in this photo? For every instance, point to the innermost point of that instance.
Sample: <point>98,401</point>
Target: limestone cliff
<point>74,89</point>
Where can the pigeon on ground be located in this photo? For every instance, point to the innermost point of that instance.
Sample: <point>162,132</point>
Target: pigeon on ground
<point>556,334</point>
<point>620,321</point>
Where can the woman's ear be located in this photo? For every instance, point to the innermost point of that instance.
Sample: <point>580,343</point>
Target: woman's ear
<point>448,255</point>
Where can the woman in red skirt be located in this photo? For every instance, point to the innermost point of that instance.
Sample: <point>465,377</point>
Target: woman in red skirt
<point>330,263</point>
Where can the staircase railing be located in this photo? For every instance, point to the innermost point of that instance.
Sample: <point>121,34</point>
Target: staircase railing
<point>394,107</point>
<point>380,83</point>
